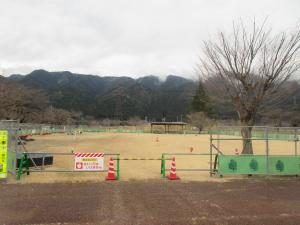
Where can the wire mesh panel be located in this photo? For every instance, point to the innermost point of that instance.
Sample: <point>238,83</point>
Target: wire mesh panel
<point>265,140</point>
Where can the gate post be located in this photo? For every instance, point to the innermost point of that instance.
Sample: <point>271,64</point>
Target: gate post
<point>296,140</point>
<point>118,166</point>
<point>210,155</point>
<point>163,165</point>
<point>23,162</point>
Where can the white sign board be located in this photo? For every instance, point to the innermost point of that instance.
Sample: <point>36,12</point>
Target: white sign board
<point>89,161</point>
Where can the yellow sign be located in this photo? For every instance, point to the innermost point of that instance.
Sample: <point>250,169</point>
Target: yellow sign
<point>89,159</point>
<point>3,153</point>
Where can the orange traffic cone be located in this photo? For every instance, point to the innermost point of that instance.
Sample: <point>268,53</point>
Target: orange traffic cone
<point>173,175</point>
<point>111,170</point>
<point>237,151</point>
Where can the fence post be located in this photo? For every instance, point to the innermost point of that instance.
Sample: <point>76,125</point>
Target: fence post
<point>296,140</point>
<point>163,161</point>
<point>267,149</point>
<point>216,163</point>
<point>20,168</point>
<point>118,166</point>
<point>218,141</point>
<point>210,155</point>
<point>27,164</point>
<point>24,161</point>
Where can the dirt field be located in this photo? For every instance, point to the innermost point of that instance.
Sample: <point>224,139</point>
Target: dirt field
<point>251,201</point>
<point>142,197</point>
<point>137,146</point>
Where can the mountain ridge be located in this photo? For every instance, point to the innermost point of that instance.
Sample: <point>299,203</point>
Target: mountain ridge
<point>113,97</point>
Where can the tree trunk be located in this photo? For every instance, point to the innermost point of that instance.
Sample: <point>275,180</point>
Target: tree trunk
<point>247,119</point>
<point>247,143</point>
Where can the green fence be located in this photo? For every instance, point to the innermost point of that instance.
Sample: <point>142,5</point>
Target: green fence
<point>40,131</point>
<point>169,156</point>
<point>113,130</point>
<point>260,134</point>
<point>259,164</point>
<point>272,134</point>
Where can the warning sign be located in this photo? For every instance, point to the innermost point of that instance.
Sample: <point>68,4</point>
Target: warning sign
<point>89,161</point>
<point>3,153</point>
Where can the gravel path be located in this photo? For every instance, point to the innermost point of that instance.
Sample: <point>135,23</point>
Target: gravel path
<point>249,201</point>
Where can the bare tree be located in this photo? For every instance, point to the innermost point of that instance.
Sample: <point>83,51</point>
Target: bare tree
<point>251,64</point>
<point>200,120</point>
<point>57,116</point>
<point>21,103</point>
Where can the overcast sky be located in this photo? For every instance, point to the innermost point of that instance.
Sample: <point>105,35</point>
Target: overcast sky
<point>131,38</point>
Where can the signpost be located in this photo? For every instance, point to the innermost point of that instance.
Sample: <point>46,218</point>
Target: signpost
<point>3,153</point>
<point>89,161</point>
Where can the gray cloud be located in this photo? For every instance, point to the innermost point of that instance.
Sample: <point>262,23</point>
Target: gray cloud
<point>133,38</point>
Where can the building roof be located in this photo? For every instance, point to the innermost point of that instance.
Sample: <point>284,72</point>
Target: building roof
<point>168,123</point>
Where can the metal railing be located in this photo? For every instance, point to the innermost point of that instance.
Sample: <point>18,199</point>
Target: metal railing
<point>23,166</point>
<point>212,164</point>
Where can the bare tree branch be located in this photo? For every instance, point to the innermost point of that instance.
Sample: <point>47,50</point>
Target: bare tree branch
<point>252,64</point>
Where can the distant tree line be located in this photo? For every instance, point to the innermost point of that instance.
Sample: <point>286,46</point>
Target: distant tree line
<point>28,105</point>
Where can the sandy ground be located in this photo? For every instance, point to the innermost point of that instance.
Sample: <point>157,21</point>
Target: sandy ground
<point>137,146</point>
<point>240,202</point>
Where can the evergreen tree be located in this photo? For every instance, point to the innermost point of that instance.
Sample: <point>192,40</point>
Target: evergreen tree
<point>200,102</point>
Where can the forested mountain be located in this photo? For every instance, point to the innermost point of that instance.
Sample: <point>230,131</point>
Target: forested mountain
<point>67,95</point>
<point>113,97</point>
